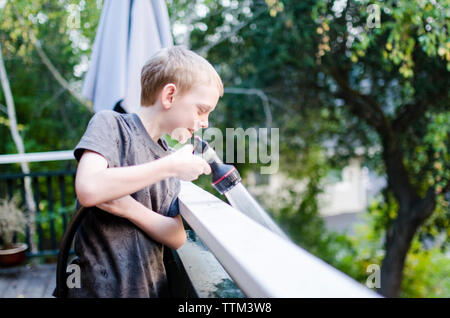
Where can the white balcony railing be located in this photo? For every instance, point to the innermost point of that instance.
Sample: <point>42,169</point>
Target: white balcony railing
<point>37,156</point>
<point>260,262</point>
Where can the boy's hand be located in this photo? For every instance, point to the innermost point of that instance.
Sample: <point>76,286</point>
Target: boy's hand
<point>186,165</point>
<point>119,207</point>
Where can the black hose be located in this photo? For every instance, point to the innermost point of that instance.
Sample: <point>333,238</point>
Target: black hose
<point>63,255</point>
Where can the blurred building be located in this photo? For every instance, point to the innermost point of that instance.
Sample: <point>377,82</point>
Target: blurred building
<point>343,202</point>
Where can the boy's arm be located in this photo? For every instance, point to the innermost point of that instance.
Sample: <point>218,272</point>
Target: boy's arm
<point>166,230</point>
<point>95,183</point>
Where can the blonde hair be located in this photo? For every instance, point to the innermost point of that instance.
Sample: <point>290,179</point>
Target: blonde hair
<point>176,65</point>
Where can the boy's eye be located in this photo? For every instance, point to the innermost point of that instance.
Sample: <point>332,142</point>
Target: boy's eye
<point>201,111</point>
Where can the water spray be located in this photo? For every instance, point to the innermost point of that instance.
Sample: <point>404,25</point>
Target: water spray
<point>227,181</point>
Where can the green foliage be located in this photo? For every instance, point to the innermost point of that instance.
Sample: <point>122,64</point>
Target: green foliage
<point>49,117</point>
<point>402,26</point>
<point>46,219</point>
<point>426,269</point>
<point>437,142</point>
<point>427,273</point>
<point>431,161</point>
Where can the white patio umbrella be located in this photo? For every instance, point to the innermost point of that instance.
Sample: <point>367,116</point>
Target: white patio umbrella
<point>128,34</point>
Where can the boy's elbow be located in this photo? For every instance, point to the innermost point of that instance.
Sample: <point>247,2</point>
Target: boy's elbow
<point>179,241</point>
<point>86,202</point>
<point>85,194</point>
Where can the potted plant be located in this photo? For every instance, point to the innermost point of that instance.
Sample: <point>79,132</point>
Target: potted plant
<point>12,221</point>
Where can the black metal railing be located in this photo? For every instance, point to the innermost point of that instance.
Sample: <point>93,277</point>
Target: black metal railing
<point>55,198</point>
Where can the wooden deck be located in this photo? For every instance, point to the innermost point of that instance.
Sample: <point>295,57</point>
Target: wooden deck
<point>28,281</point>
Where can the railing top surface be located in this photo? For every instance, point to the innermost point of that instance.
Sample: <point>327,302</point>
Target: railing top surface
<point>37,156</point>
<point>260,262</point>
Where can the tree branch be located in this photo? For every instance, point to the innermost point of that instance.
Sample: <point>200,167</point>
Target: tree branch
<point>260,94</point>
<point>53,70</point>
<point>410,113</point>
<point>204,50</point>
<point>424,207</point>
<point>366,108</point>
<point>363,106</point>
<point>57,75</point>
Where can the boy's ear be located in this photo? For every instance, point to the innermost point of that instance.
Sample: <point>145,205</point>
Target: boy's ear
<point>168,93</point>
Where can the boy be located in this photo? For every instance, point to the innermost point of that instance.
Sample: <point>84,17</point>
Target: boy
<point>128,177</point>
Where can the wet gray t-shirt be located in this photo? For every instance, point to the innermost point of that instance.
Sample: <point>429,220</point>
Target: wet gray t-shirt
<point>116,258</point>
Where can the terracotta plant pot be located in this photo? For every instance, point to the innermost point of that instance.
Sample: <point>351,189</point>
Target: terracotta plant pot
<point>13,256</point>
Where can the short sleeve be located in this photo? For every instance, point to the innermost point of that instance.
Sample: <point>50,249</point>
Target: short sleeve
<point>174,208</point>
<point>101,136</point>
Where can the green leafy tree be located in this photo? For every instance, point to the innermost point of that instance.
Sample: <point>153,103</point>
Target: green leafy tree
<point>46,46</point>
<point>382,87</point>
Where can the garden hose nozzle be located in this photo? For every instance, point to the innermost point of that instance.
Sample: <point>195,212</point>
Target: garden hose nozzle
<point>224,177</point>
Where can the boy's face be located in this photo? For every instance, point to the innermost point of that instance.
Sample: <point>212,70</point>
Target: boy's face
<point>189,111</point>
